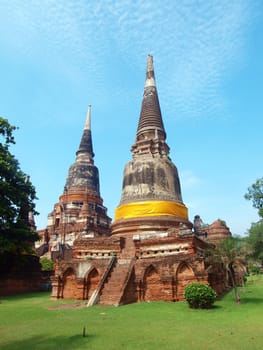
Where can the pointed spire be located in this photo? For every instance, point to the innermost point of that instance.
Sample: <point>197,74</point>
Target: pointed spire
<point>150,78</point>
<point>85,151</point>
<point>151,185</point>
<point>150,117</point>
<point>83,173</point>
<point>87,124</point>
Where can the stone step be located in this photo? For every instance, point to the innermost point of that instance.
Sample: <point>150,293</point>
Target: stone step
<point>112,291</point>
<point>113,286</point>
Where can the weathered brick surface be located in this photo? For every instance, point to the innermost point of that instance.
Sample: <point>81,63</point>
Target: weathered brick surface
<point>114,288</point>
<point>146,270</point>
<point>17,285</point>
<point>19,273</point>
<point>77,279</point>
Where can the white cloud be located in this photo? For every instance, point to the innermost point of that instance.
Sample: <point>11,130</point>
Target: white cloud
<point>194,44</point>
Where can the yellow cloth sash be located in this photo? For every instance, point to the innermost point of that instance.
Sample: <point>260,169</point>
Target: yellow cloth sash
<point>151,208</point>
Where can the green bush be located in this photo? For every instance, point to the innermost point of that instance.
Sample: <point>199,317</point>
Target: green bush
<point>199,296</point>
<point>46,264</point>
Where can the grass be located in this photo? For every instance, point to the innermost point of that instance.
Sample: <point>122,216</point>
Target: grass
<point>27,322</point>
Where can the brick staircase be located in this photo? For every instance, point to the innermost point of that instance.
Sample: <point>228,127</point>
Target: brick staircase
<point>128,250</point>
<point>114,287</point>
<point>95,295</point>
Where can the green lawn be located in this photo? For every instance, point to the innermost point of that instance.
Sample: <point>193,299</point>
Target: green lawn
<point>27,322</point>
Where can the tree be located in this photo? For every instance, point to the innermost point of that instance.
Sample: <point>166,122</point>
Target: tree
<point>255,193</point>
<point>17,196</point>
<point>230,252</point>
<point>255,233</point>
<point>255,239</point>
<point>46,264</point>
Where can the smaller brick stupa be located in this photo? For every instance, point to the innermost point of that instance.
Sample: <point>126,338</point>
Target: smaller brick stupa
<point>79,211</point>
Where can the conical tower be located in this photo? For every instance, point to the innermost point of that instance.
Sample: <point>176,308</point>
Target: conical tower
<point>80,210</point>
<point>83,173</point>
<point>151,192</point>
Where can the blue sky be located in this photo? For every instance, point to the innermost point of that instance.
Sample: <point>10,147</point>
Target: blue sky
<point>59,56</point>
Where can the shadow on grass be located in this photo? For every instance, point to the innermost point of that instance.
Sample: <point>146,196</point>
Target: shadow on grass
<point>49,343</point>
<point>216,307</point>
<point>213,307</point>
<point>248,300</point>
<point>22,296</point>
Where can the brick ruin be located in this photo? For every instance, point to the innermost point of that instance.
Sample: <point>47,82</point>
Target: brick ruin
<point>151,251</point>
<point>20,273</point>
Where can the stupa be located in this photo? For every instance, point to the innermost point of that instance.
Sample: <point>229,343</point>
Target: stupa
<point>80,211</point>
<point>152,251</point>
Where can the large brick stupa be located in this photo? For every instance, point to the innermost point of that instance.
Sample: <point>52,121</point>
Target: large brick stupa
<point>152,251</point>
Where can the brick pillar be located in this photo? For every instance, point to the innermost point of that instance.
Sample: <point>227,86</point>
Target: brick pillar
<point>57,287</point>
<point>139,290</point>
<point>79,292</point>
<point>168,293</point>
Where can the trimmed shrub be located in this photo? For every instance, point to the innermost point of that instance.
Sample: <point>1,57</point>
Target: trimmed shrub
<point>199,296</point>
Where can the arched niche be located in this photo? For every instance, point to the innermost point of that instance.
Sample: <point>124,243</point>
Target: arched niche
<point>69,284</point>
<point>152,285</point>
<point>91,282</point>
<point>184,276</point>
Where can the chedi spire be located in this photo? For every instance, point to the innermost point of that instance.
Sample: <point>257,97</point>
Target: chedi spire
<point>150,116</point>
<point>83,173</point>
<point>151,185</point>
<point>85,151</point>
<point>80,212</point>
